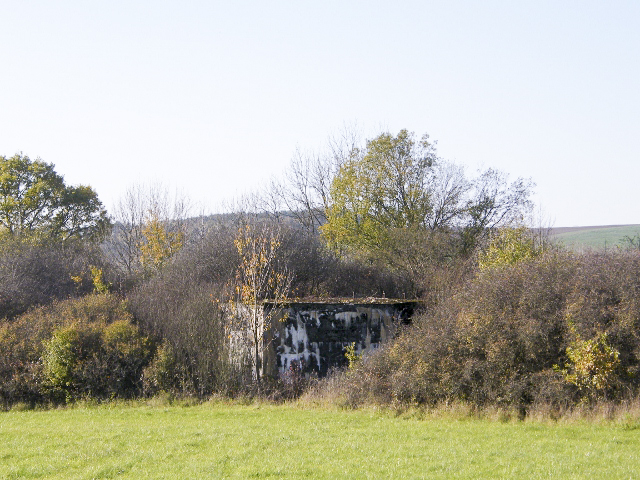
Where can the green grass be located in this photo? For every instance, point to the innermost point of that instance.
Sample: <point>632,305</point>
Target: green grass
<point>595,237</point>
<point>218,441</point>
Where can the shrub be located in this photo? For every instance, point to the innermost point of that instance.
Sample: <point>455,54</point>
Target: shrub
<point>38,274</point>
<point>185,316</point>
<point>592,365</point>
<point>126,353</point>
<point>72,349</point>
<point>60,359</point>
<point>497,339</point>
<point>96,360</point>
<point>161,374</point>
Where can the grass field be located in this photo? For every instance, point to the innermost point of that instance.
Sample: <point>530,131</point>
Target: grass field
<point>594,237</point>
<point>221,441</point>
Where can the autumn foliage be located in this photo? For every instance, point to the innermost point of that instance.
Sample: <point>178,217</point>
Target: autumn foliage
<point>556,330</point>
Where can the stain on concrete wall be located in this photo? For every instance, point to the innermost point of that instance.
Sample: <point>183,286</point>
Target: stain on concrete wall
<point>315,334</point>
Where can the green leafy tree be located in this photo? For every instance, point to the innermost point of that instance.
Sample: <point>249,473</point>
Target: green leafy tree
<point>34,201</point>
<point>379,189</point>
<point>397,184</point>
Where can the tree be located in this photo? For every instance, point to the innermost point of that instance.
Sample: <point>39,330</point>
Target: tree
<point>304,194</point>
<point>159,244</point>
<point>493,203</point>
<point>34,201</point>
<point>150,227</point>
<point>398,184</point>
<point>379,189</point>
<point>259,277</point>
<point>448,189</point>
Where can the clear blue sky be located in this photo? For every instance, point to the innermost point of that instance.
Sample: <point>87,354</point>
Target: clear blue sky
<point>214,97</point>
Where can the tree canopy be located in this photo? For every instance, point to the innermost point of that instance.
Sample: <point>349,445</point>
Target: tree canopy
<point>34,201</point>
<point>398,183</point>
<point>378,189</point>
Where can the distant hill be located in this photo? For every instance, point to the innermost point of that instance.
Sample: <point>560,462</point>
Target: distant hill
<point>595,237</point>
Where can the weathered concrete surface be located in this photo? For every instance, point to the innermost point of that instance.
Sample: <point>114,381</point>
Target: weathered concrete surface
<point>315,334</point>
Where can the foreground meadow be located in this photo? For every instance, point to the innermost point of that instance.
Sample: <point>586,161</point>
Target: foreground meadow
<point>219,440</point>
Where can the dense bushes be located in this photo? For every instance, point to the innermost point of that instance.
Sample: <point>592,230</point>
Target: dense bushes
<point>186,316</point>
<point>516,336</point>
<point>95,360</point>
<point>36,274</point>
<point>320,272</point>
<point>511,327</point>
<point>213,258</point>
<point>78,348</point>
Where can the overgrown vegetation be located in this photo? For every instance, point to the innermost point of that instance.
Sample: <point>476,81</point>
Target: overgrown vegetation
<point>150,306</point>
<point>87,347</point>
<point>557,330</point>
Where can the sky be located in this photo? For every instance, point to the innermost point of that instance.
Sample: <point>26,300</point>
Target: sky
<point>213,98</point>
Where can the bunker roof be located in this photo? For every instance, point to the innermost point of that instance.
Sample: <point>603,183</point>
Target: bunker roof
<point>344,300</point>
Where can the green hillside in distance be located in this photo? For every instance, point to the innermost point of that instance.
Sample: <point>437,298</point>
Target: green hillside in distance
<point>594,237</point>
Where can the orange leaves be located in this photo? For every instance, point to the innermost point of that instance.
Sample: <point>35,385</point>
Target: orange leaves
<point>258,275</point>
<point>261,275</point>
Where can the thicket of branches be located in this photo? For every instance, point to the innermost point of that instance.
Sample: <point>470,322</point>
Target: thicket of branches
<point>556,330</point>
<point>33,274</point>
<point>86,347</point>
<point>508,320</point>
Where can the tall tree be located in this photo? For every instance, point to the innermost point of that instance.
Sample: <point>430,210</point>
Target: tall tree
<point>397,184</point>
<point>378,189</point>
<point>34,201</point>
<point>304,192</point>
<point>494,203</point>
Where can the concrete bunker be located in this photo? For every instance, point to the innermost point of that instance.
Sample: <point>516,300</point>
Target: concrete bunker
<point>313,335</point>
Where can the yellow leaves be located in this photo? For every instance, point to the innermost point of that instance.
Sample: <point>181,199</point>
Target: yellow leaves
<point>352,357</point>
<point>592,364</point>
<point>257,277</point>
<point>159,243</point>
<point>99,286</point>
<point>508,247</point>
<point>96,274</point>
